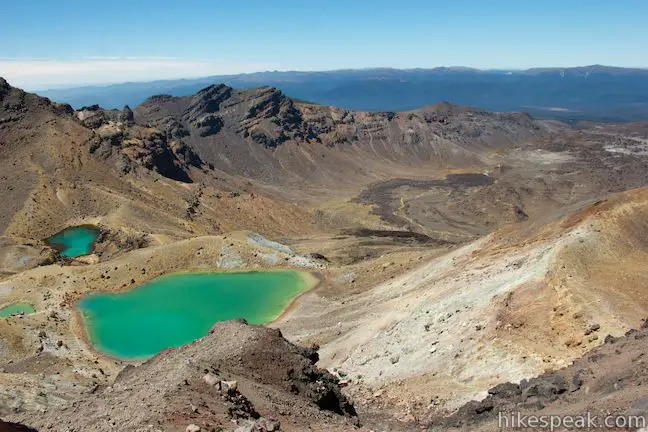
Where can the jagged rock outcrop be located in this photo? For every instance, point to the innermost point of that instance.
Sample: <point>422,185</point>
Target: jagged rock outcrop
<point>4,88</point>
<point>272,119</point>
<point>93,116</point>
<point>127,117</point>
<point>130,146</point>
<point>208,100</point>
<point>208,124</point>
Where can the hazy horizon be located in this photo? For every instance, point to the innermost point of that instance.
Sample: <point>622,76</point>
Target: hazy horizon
<point>189,78</point>
<point>70,44</point>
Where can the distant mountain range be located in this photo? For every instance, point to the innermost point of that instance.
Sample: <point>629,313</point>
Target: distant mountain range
<point>596,92</point>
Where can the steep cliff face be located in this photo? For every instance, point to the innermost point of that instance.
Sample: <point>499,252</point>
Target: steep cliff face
<point>128,146</point>
<point>265,116</point>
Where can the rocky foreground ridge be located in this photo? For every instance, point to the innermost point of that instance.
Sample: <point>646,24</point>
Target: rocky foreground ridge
<point>239,377</point>
<point>249,378</point>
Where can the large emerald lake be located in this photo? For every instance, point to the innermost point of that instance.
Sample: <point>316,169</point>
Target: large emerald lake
<point>173,310</point>
<point>74,241</point>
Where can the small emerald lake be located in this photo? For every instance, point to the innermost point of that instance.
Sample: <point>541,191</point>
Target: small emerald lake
<point>75,241</point>
<point>16,308</point>
<point>175,309</point>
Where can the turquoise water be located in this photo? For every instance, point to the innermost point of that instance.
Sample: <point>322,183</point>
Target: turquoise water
<point>16,308</point>
<point>173,310</point>
<point>75,241</point>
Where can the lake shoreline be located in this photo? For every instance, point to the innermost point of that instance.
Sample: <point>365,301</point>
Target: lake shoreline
<point>317,279</point>
<point>60,246</point>
<point>27,308</point>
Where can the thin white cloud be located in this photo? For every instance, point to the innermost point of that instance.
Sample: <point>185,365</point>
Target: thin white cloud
<point>44,73</point>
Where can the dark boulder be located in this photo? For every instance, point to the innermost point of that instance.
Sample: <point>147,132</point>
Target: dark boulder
<point>126,116</point>
<point>4,88</point>
<point>505,390</point>
<point>14,427</point>
<point>546,387</point>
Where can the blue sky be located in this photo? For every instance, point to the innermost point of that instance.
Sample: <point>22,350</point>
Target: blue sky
<point>52,43</point>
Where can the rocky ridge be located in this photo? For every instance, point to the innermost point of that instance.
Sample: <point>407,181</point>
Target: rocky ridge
<point>238,374</point>
<point>609,381</point>
<point>127,145</point>
<point>261,132</point>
